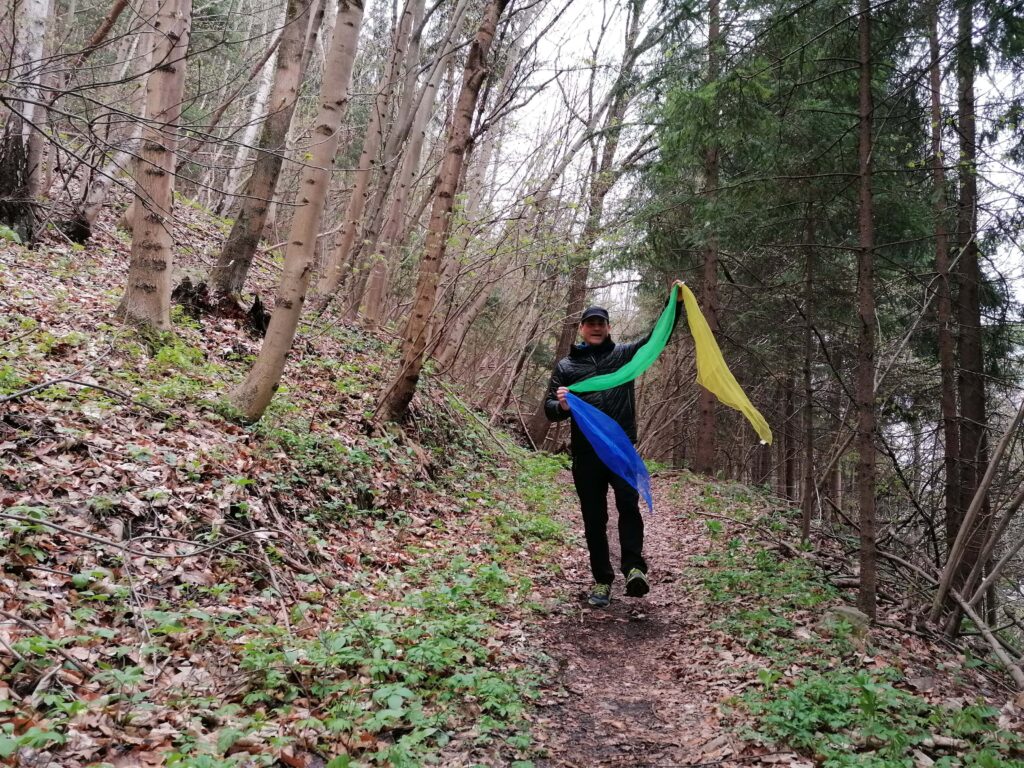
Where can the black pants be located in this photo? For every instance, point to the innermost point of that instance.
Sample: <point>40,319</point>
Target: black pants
<point>592,478</point>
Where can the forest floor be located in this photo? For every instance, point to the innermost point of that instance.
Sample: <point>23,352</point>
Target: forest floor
<point>642,681</point>
<point>316,591</point>
<point>736,657</point>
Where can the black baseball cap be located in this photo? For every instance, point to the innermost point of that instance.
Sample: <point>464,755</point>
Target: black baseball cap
<point>595,312</point>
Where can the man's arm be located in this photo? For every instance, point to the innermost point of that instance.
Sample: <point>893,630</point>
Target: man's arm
<point>552,402</point>
<point>629,349</point>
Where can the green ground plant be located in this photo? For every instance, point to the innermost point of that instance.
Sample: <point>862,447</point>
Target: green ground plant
<point>404,658</point>
<point>834,709</point>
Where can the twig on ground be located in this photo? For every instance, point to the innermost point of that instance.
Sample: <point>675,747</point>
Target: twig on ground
<point>272,573</point>
<point>83,668</point>
<point>140,613</point>
<point>21,336</point>
<point>129,550</point>
<point>80,383</point>
<point>11,650</point>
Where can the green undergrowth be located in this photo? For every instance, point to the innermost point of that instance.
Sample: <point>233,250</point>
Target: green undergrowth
<point>393,648</point>
<point>817,691</point>
<point>402,660</point>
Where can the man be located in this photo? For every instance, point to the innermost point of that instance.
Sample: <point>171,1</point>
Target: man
<point>598,354</point>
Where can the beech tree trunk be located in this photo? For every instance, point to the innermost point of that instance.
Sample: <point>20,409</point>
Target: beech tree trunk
<point>411,124</point>
<point>105,178</point>
<point>455,337</point>
<point>866,309</point>
<point>333,271</point>
<point>257,113</point>
<point>373,305</point>
<point>319,23</point>
<point>35,141</point>
<point>706,420</point>
<point>236,257</point>
<point>396,399</point>
<point>17,182</point>
<point>254,394</point>
<point>27,60</point>
<point>136,62</point>
<point>147,299</point>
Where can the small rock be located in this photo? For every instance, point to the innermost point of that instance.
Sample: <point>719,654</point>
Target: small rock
<point>858,621</point>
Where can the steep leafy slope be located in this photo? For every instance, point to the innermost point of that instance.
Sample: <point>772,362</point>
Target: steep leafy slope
<point>178,589</point>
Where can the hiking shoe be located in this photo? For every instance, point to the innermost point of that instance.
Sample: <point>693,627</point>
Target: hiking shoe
<point>600,595</point>
<point>636,583</point>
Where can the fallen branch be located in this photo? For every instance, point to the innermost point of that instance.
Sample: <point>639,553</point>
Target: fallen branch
<point>126,549</point>
<point>273,580</point>
<point>80,383</point>
<point>997,648</point>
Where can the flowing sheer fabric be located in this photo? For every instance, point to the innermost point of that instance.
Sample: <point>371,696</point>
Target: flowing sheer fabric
<point>609,440</point>
<point>642,360</point>
<point>612,445</point>
<point>712,372</point>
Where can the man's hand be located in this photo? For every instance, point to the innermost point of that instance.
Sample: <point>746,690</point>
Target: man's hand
<point>562,402</point>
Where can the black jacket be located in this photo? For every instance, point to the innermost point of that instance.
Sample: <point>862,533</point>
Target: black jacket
<point>585,361</point>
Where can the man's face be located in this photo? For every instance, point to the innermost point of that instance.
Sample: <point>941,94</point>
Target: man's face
<point>595,330</point>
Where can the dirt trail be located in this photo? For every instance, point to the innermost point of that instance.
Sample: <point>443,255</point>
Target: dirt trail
<point>641,680</point>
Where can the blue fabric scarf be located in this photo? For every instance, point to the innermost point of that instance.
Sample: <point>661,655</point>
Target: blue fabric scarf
<point>612,445</point>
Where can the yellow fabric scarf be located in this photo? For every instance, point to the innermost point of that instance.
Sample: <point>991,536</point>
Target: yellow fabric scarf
<point>712,372</point>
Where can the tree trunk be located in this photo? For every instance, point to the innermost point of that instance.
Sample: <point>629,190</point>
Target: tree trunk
<point>789,431</point>
<point>16,175</point>
<point>235,258</point>
<point>257,113</point>
<point>136,62</point>
<point>35,141</point>
<point>781,444</point>
<point>373,305</point>
<point>866,309</point>
<point>368,158</point>
<point>971,383</point>
<point>255,393</point>
<point>27,60</point>
<point>705,454</point>
<point>408,123</point>
<point>517,369</point>
<point>396,400</point>
<point>807,497</point>
<point>453,339</point>
<point>95,41</point>
<point>106,177</point>
<point>147,299</point>
<point>947,362</point>
<point>317,27</point>
<point>214,119</point>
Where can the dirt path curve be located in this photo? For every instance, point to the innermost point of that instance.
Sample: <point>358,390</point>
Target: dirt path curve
<point>640,682</point>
